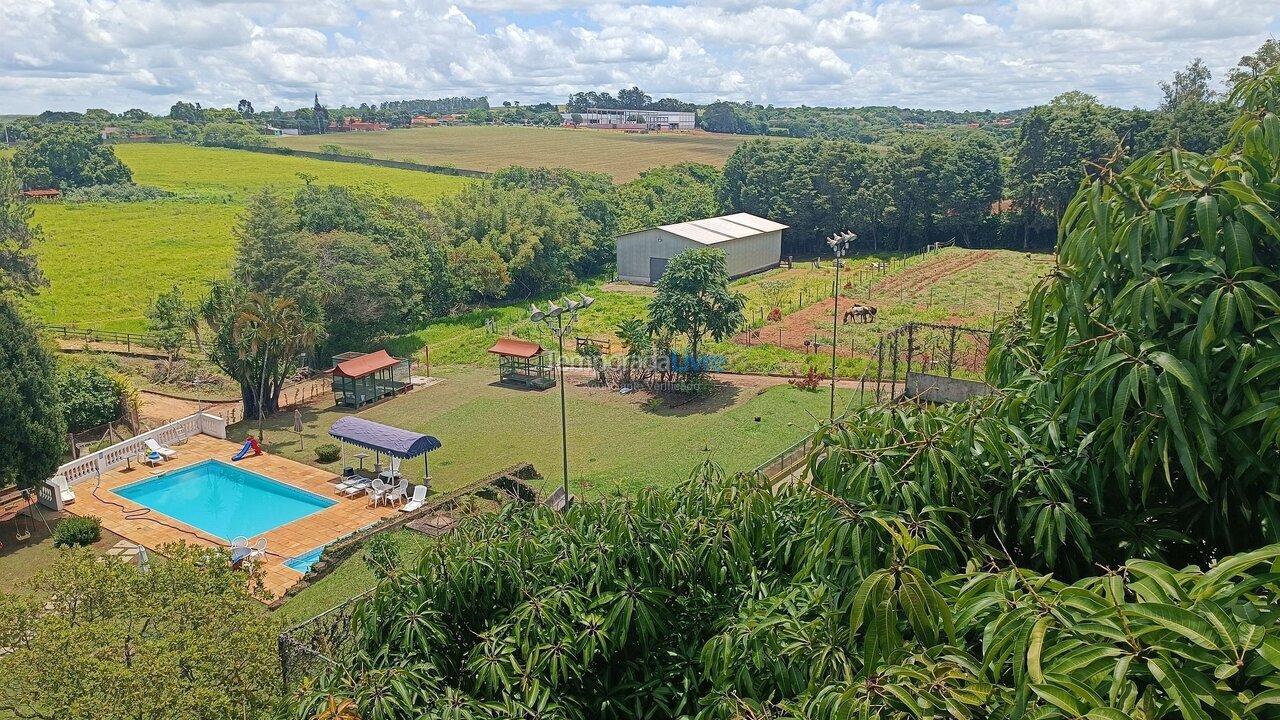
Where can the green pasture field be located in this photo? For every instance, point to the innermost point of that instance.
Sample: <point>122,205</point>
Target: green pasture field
<point>106,261</point>
<point>622,155</point>
<point>618,444</point>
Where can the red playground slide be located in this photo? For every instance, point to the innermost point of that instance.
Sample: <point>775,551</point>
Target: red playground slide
<point>249,444</point>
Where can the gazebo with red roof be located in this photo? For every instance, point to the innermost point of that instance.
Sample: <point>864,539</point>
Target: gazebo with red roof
<point>523,363</point>
<point>359,379</point>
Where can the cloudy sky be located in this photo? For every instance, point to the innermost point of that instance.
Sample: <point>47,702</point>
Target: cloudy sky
<point>955,54</point>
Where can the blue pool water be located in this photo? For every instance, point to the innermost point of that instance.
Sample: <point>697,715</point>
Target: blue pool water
<point>303,563</point>
<point>223,500</point>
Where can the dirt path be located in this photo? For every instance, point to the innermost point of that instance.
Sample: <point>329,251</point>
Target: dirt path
<point>159,409</point>
<point>799,326</point>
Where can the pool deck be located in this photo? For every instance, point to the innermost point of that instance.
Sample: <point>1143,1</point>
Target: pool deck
<point>284,542</point>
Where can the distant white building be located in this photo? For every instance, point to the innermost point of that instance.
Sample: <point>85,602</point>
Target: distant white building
<point>751,244</point>
<point>632,119</point>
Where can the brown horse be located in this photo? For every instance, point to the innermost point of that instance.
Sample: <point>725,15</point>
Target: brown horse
<point>864,313</point>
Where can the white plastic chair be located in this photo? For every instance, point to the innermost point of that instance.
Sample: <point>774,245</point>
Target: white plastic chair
<point>401,492</point>
<point>259,549</point>
<point>63,488</point>
<point>419,499</point>
<point>377,491</point>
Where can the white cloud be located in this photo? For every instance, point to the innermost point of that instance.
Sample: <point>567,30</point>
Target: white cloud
<point>71,54</point>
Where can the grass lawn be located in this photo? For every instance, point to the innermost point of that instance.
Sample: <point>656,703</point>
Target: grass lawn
<point>617,444</point>
<point>20,560</point>
<point>622,155</point>
<point>106,261</point>
<point>347,581</point>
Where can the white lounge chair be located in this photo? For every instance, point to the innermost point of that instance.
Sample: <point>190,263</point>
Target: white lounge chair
<point>419,499</point>
<point>63,489</point>
<point>159,449</point>
<point>358,487</point>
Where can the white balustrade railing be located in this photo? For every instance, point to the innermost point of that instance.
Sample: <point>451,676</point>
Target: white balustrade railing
<point>90,467</point>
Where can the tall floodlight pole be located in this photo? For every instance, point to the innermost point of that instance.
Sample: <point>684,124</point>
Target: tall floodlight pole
<point>839,244</point>
<point>560,328</point>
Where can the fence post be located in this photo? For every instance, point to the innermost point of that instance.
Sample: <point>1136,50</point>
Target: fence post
<point>893,372</point>
<point>951,352</point>
<point>911,344</point>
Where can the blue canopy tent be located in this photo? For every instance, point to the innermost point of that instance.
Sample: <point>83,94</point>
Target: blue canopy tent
<point>396,442</point>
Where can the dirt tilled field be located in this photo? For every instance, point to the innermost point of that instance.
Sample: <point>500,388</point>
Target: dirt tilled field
<point>914,280</point>
<point>799,326</point>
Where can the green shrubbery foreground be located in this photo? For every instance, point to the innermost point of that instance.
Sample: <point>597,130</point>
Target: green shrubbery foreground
<point>1011,557</point>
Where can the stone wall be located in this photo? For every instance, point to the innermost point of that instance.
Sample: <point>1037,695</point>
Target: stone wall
<point>942,389</point>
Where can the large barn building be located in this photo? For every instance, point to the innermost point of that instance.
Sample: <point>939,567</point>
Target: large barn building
<point>751,244</point>
<point>631,119</point>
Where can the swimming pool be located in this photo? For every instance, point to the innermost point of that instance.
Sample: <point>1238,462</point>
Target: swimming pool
<point>303,562</point>
<point>224,500</point>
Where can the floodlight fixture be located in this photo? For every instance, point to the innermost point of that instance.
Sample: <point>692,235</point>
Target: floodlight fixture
<point>586,301</point>
<point>553,310</point>
<point>535,314</point>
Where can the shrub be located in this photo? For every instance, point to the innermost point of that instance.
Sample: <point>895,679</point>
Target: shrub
<point>775,315</point>
<point>93,392</point>
<point>231,135</point>
<point>382,555</point>
<point>328,452</point>
<point>118,193</point>
<point>698,385</point>
<point>77,530</point>
<point>330,149</point>
<point>810,381</point>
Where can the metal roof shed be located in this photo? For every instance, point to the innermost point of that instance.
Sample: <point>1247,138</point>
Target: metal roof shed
<point>750,244</point>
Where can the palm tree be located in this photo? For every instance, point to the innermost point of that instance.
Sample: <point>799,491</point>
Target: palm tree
<point>257,340</point>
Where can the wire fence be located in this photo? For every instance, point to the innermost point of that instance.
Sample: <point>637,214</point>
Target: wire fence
<point>311,647</point>
<point>950,351</point>
<point>128,339</point>
<point>786,462</point>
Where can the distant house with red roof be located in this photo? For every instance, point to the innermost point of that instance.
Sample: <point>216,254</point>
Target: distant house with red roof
<point>355,124</point>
